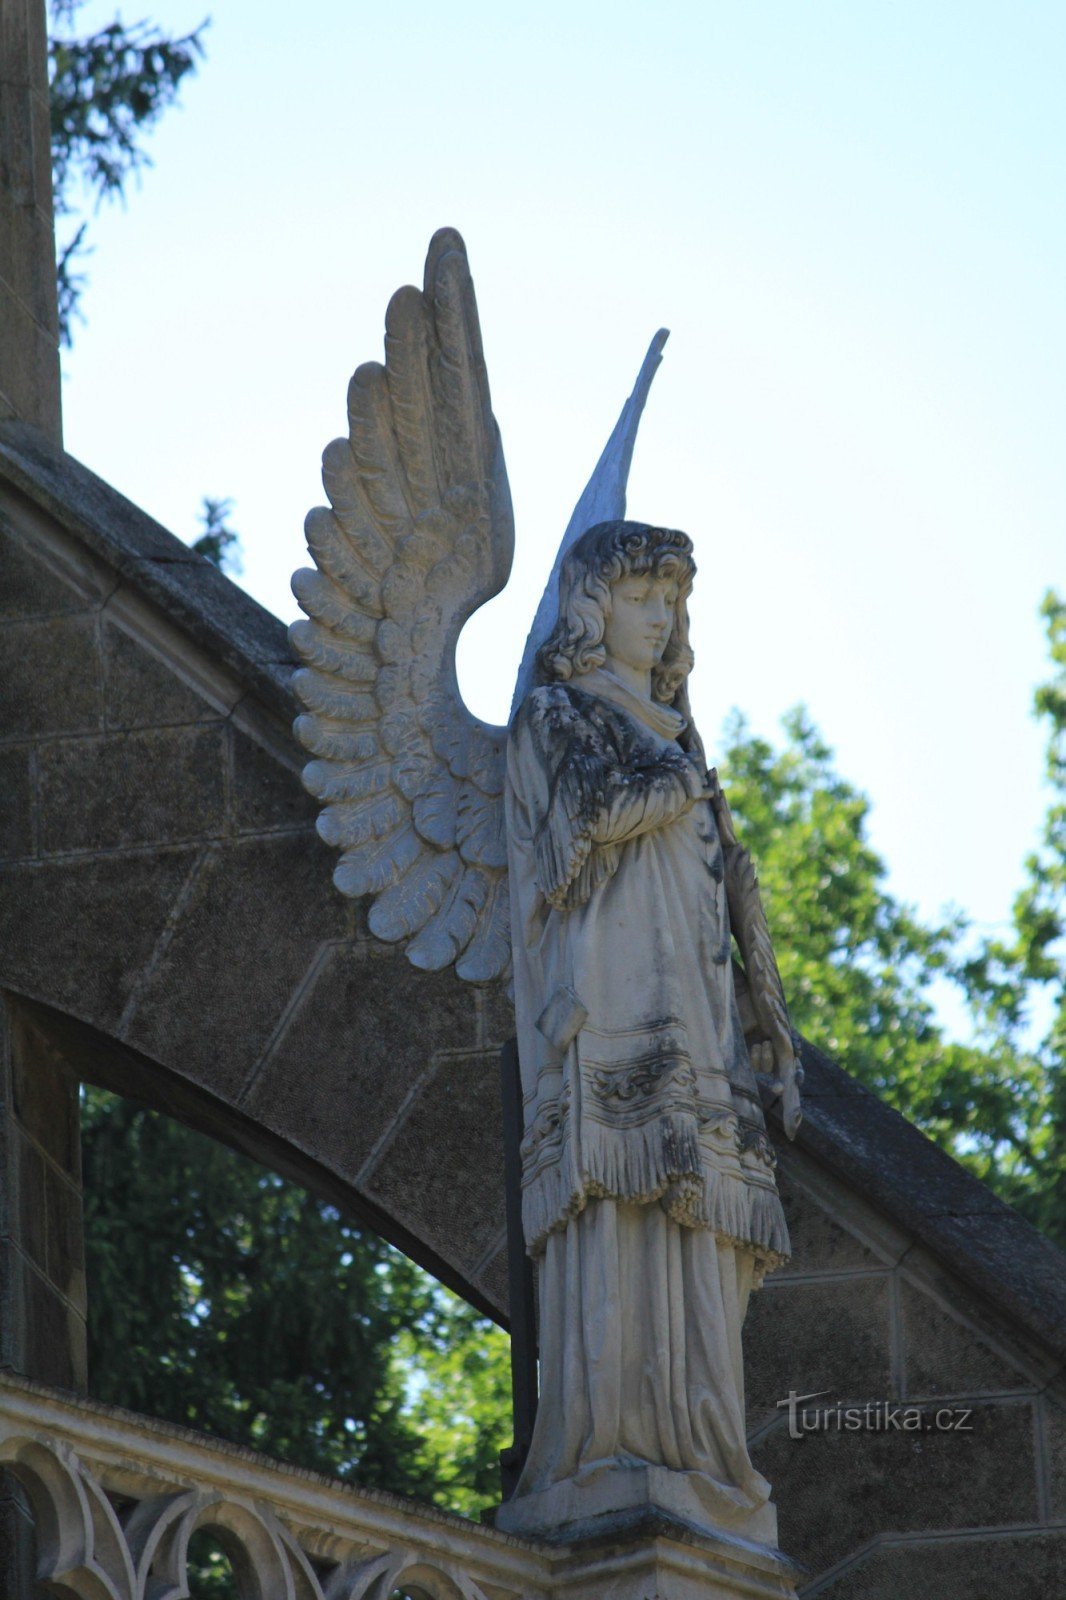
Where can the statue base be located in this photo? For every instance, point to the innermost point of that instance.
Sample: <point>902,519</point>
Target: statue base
<point>580,1509</point>
<point>621,1543</point>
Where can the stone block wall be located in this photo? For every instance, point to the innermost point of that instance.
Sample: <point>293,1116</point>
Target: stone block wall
<point>42,1261</point>
<point>167,906</point>
<point>29,328</point>
<point>42,1264</point>
<point>862,1314</point>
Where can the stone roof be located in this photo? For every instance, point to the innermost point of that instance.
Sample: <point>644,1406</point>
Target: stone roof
<point>357,1047</point>
<point>899,1170</point>
<point>201,600</point>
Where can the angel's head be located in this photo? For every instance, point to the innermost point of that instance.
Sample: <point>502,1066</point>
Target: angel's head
<point>613,579</point>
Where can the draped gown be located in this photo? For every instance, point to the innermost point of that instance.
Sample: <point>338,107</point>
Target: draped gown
<point>649,1201</point>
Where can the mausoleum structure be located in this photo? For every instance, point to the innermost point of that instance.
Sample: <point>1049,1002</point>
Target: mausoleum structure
<point>169,931</point>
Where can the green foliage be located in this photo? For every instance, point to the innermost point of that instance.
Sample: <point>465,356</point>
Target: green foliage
<point>459,1402</point>
<point>211,1576</point>
<point>107,89</point>
<point>1018,984</point>
<point>858,967</point>
<point>217,542</point>
<point>228,1300</point>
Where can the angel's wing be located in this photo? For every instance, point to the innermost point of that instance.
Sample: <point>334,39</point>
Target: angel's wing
<point>420,535</point>
<point>603,500</point>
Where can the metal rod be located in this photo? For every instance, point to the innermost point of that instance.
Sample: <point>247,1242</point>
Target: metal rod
<point>519,1277</point>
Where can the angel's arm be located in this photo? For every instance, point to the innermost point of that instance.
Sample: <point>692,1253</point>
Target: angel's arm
<point>583,800</point>
<point>641,800</point>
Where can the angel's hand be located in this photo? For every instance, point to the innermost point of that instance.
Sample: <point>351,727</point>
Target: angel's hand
<point>775,1063</point>
<point>762,1058</point>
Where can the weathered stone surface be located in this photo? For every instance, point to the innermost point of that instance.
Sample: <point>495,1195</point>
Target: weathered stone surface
<point>53,915</point>
<point>352,1054</point>
<point>45,1096</point>
<point>199,598</point>
<point>906,1482</point>
<point>1055,1428</point>
<point>1017,1268</point>
<point>492,1281</point>
<point>18,1543</point>
<point>143,691</point>
<point>33,253</point>
<point>654,1556</point>
<point>48,1212</point>
<point>153,787</point>
<point>856,1137</point>
<point>16,812</point>
<point>1007,1564</point>
<point>832,1335</point>
<point>49,677</point>
<point>87,1453</point>
<point>29,335</point>
<point>28,587</point>
<point>266,793</point>
<point>819,1242</point>
<point>254,918</point>
<point>943,1356</point>
<point>64,1239</point>
<point>31,360</point>
<point>42,1276</point>
<point>26,1173</point>
<point>499,1023</point>
<point>456,1117</point>
<point>618,1497</point>
<point>41,1334</point>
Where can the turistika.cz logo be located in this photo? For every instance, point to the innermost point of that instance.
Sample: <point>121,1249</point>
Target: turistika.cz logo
<point>875,1416</point>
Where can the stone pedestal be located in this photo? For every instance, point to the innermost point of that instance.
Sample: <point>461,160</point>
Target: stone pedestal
<point>643,1532</point>
<point>652,1558</point>
<point>612,1498</point>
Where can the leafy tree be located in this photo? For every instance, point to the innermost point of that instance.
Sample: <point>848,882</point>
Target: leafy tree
<point>1018,984</point>
<point>231,1301</point>
<point>107,89</point>
<point>857,967</point>
<point>217,541</point>
<point>458,1383</point>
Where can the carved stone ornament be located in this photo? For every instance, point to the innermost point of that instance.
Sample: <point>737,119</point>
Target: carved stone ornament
<point>587,848</point>
<point>116,1500</point>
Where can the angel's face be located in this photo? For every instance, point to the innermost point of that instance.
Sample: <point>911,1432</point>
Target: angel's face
<point>641,618</point>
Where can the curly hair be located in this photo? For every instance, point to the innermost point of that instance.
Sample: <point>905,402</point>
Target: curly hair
<point>604,554</point>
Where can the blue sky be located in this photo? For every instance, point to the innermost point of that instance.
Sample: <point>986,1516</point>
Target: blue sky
<point>850,215</point>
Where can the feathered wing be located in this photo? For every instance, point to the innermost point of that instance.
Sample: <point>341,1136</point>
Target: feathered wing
<point>419,535</point>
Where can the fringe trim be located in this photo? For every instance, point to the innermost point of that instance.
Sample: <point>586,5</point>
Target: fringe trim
<point>659,1162</point>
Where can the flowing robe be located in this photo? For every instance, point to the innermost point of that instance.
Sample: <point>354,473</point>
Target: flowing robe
<point>648,1192</point>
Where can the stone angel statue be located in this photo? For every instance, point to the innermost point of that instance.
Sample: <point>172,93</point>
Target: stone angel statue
<point>589,849</point>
